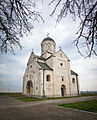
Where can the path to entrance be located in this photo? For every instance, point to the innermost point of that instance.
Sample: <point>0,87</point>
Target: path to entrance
<point>13,109</point>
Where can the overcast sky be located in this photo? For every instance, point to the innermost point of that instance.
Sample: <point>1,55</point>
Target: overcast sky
<point>12,67</point>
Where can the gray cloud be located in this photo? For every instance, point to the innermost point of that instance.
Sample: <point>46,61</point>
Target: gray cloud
<point>12,67</point>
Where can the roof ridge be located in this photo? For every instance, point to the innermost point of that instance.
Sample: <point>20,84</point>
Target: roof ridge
<point>73,73</point>
<point>40,57</point>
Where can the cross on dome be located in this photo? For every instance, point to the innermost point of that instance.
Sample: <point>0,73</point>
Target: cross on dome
<point>48,34</point>
<point>60,47</point>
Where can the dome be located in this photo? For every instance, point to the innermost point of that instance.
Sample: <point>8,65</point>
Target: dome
<point>48,38</point>
<point>48,45</point>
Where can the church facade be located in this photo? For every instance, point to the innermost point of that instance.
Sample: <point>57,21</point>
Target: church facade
<point>49,75</point>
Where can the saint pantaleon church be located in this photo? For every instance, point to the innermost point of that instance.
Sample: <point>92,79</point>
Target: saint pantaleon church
<point>49,75</point>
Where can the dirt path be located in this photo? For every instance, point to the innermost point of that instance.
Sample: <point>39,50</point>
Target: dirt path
<point>13,109</point>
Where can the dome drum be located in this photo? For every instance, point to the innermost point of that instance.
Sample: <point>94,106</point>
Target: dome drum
<point>48,45</point>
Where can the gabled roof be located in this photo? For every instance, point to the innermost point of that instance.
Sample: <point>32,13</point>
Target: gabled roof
<point>44,66</point>
<point>63,53</point>
<point>73,73</point>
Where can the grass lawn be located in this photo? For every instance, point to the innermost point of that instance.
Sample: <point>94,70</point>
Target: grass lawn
<point>90,106</point>
<point>29,99</point>
<point>21,97</point>
<point>88,94</point>
<point>12,94</point>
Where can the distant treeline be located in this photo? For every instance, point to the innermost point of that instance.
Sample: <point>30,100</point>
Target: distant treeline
<point>88,91</point>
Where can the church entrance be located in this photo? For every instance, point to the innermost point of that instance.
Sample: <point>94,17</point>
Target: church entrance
<point>29,88</point>
<point>63,90</point>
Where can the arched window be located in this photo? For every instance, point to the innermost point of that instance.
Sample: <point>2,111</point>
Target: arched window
<point>62,78</point>
<point>73,80</point>
<point>48,78</point>
<point>31,66</point>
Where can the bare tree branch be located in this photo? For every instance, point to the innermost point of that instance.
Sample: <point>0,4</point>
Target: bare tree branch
<point>16,17</point>
<point>86,11</point>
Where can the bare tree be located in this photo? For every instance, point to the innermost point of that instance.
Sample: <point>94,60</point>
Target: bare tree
<point>86,11</point>
<point>16,17</point>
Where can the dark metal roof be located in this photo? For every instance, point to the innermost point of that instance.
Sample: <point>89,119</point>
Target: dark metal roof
<point>44,66</point>
<point>48,38</point>
<point>73,73</point>
<point>39,57</point>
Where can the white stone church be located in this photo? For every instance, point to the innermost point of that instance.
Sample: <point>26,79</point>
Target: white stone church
<point>49,75</point>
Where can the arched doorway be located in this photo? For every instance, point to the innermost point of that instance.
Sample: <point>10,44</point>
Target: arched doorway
<point>63,90</point>
<point>29,88</point>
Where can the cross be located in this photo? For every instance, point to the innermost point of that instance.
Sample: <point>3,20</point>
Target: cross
<point>60,47</point>
<point>32,50</point>
<point>48,34</point>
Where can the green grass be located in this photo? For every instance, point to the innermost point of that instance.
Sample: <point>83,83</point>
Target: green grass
<point>88,94</point>
<point>12,94</point>
<point>2,94</point>
<point>30,99</point>
<point>16,95</point>
<point>21,97</point>
<point>90,106</point>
